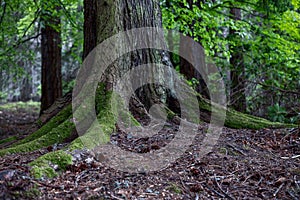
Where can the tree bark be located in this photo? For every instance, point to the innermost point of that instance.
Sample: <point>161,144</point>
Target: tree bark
<point>123,15</point>
<point>51,57</point>
<point>90,31</point>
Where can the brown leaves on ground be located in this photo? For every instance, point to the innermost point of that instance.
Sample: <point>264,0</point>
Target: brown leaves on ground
<point>245,164</point>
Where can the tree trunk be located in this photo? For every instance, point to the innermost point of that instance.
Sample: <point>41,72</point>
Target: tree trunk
<point>90,31</point>
<point>237,74</point>
<point>51,57</point>
<point>123,15</point>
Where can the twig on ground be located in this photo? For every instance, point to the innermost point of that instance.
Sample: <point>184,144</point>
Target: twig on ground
<point>225,193</point>
<point>278,189</point>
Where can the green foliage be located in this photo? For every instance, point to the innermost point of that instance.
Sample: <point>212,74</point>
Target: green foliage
<point>29,106</point>
<point>20,26</point>
<point>3,96</point>
<point>67,86</point>
<point>267,36</point>
<point>295,119</point>
<point>277,113</point>
<point>193,83</point>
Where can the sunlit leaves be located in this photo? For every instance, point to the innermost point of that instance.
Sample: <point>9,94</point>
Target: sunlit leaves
<point>290,23</point>
<point>268,35</point>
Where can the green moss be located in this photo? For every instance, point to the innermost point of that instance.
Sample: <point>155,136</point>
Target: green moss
<point>95,135</point>
<point>109,107</point>
<point>76,144</point>
<point>32,193</point>
<point>223,150</point>
<point>42,166</point>
<point>39,122</point>
<point>118,109</point>
<point>174,188</point>
<point>295,171</point>
<point>9,139</point>
<point>239,120</point>
<point>56,135</point>
<point>53,123</point>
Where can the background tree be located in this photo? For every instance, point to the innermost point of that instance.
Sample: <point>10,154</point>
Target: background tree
<point>20,55</point>
<point>51,54</point>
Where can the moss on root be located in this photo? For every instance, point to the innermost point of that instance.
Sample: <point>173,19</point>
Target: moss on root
<point>108,113</point>
<point>56,135</point>
<point>235,119</point>
<point>238,120</point>
<point>109,110</point>
<point>53,123</point>
<point>46,164</point>
<point>9,139</point>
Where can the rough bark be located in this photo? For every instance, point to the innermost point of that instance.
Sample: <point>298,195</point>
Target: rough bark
<point>51,57</point>
<point>123,15</point>
<point>90,32</point>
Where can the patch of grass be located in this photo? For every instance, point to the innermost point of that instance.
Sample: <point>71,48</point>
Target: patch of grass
<point>28,106</point>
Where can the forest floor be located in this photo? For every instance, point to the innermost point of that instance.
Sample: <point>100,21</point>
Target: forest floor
<point>244,164</point>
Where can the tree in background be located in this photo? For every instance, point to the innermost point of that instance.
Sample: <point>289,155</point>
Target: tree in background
<point>51,54</point>
<point>20,52</point>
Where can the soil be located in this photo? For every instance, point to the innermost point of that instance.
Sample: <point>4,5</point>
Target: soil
<point>17,122</point>
<point>244,164</point>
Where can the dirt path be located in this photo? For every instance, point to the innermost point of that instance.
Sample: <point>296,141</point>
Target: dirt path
<point>245,164</point>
